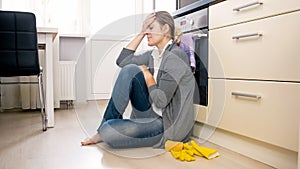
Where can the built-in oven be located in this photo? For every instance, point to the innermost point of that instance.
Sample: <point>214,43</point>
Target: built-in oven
<point>195,26</point>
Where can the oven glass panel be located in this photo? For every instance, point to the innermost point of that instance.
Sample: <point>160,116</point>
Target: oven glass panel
<point>201,74</point>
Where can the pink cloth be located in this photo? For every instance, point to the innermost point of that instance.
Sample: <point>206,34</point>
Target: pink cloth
<point>188,46</point>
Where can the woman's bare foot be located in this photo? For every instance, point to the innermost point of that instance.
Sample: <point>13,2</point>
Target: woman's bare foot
<point>95,139</point>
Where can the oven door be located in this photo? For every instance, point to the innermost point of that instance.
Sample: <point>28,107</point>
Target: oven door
<point>200,38</point>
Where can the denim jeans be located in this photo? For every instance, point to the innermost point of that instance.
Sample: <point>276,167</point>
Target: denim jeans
<point>145,127</point>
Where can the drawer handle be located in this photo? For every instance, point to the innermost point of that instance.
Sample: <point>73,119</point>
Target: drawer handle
<point>238,94</point>
<point>237,37</point>
<point>247,5</point>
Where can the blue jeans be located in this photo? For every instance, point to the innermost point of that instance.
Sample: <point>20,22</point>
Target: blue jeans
<point>145,127</point>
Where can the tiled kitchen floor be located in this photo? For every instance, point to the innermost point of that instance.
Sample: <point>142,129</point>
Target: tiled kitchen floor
<point>23,145</point>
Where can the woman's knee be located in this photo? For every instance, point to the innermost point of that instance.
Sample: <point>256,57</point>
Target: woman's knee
<point>130,69</point>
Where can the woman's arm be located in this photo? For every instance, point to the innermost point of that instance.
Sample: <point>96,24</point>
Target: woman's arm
<point>148,76</point>
<point>133,45</point>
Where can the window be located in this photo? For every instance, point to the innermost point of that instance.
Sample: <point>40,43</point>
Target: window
<point>104,13</point>
<point>66,15</point>
<point>84,16</point>
<point>160,5</point>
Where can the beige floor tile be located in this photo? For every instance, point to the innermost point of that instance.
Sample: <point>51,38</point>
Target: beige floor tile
<point>23,145</point>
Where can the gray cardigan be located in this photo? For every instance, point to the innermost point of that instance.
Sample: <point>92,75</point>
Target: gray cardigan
<point>174,90</point>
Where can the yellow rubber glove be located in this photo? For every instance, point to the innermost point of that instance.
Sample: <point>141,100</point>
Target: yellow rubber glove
<point>206,152</point>
<point>180,151</point>
<point>182,155</point>
<point>185,152</point>
<point>191,150</point>
<point>173,145</point>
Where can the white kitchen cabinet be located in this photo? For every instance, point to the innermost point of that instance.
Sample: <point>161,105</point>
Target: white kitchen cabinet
<point>104,69</point>
<point>236,11</point>
<point>263,68</point>
<point>266,111</point>
<point>272,55</point>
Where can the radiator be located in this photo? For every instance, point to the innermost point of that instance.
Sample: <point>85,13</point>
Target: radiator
<point>67,80</point>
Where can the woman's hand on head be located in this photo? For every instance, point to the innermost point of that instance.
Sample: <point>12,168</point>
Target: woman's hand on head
<point>133,44</point>
<point>147,22</point>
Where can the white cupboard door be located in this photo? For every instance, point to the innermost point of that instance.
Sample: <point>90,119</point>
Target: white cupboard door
<point>266,111</point>
<point>236,11</point>
<point>264,49</point>
<point>104,68</point>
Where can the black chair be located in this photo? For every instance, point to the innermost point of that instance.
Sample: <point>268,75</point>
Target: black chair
<point>19,51</point>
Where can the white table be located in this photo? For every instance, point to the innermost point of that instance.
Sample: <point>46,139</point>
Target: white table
<point>46,38</point>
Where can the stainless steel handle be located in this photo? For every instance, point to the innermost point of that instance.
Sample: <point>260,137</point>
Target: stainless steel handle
<point>247,35</point>
<point>199,35</point>
<point>238,94</point>
<point>247,5</point>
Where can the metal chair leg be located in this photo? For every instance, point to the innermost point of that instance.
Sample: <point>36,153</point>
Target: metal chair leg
<point>44,114</point>
<point>1,110</point>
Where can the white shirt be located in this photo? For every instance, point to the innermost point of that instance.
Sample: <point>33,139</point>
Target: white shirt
<point>157,58</point>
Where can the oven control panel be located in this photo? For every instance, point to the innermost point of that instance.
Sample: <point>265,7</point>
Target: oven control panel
<point>192,21</point>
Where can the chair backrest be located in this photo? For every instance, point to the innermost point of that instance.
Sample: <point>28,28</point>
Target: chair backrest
<point>18,44</point>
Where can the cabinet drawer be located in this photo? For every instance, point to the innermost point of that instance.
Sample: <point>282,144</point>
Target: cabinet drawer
<point>272,117</point>
<point>224,13</point>
<point>272,56</point>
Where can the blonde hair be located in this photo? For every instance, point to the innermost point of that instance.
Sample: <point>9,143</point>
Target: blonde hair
<point>163,17</point>
<point>178,31</point>
<point>177,35</point>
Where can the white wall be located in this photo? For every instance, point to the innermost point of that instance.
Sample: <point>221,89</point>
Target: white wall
<point>85,18</point>
<point>112,32</point>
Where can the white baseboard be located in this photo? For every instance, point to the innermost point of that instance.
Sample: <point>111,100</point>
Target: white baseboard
<point>97,96</point>
<point>266,153</point>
